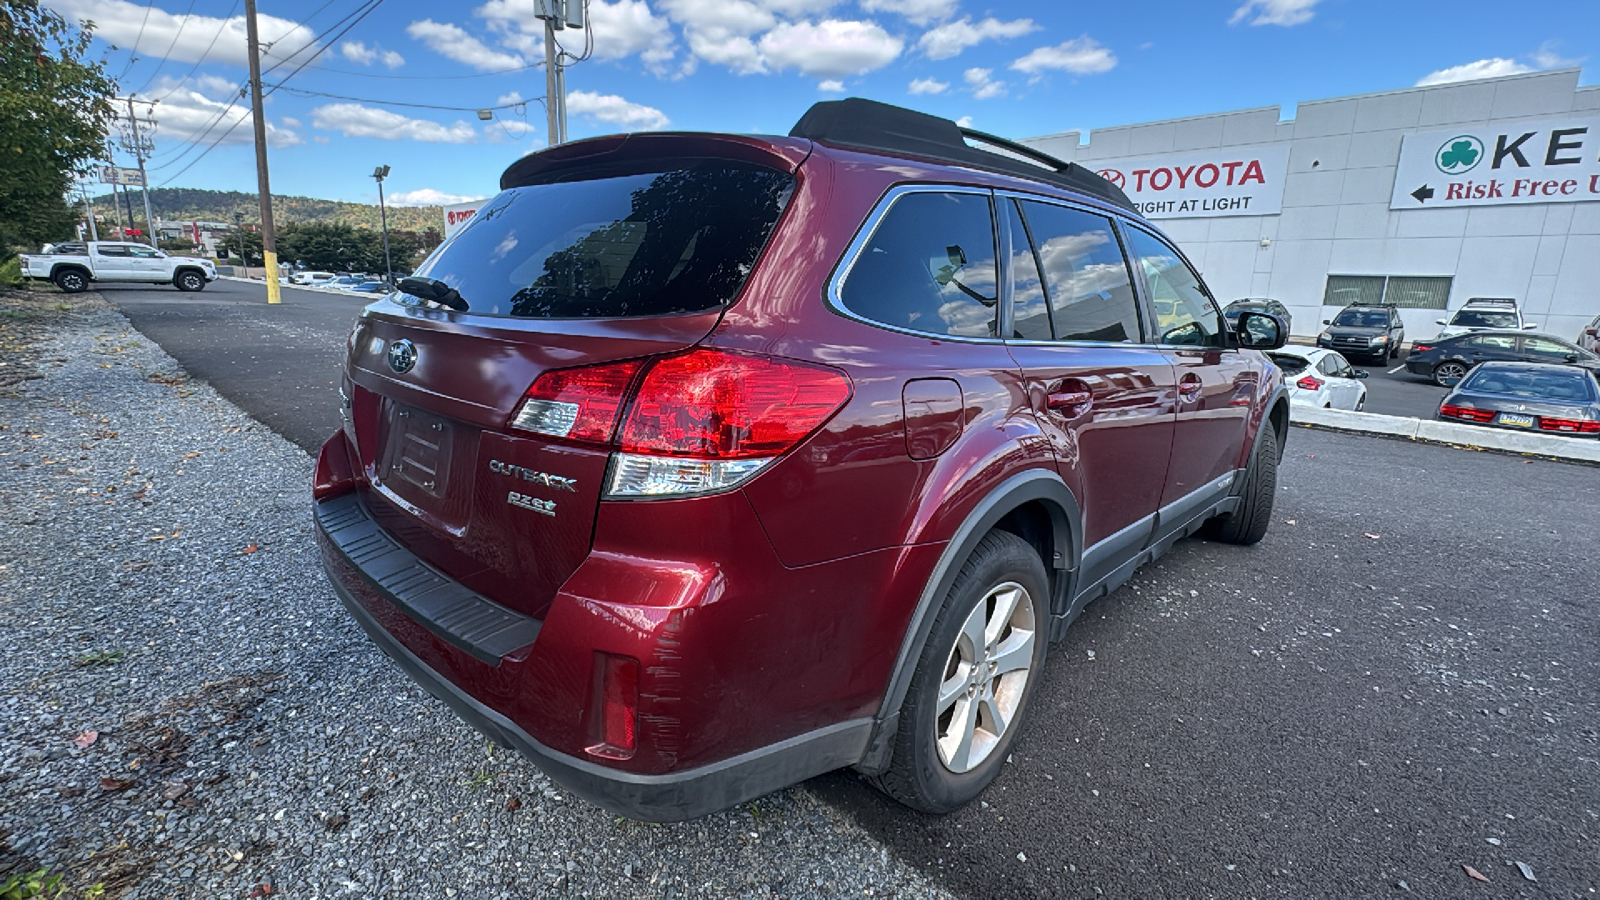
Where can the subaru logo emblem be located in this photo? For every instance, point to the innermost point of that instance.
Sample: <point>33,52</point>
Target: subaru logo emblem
<point>402,356</point>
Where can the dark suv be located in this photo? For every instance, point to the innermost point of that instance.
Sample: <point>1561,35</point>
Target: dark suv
<point>1372,332</point>
<point>700,464</point>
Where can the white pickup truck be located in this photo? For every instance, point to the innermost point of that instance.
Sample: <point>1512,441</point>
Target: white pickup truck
<point>72,266</point>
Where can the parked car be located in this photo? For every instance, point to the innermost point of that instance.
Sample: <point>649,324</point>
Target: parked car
<point>1371,331</point>
<point>756,457</point>
<point>1320,378</point>
<point>74,266</point>
<point>1446,362</point>
<point>1484,314</point>
<point>310,277</point>
<point>370,287</point>
<point>1258,304</point>
<point>1589,336</point>
<point>1554,399</point>
<point>340,282</point>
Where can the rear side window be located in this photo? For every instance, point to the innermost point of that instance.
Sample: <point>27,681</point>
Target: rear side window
<point>639,244</point>
<point>929,266</point>
<point>1085,275</point>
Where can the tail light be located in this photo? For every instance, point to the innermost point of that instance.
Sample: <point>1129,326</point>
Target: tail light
<point>1309,382</point>
<point>695,423</point>
<point>614,712</point>
<point>1466,413</point>
<point>1569,426</point>
<point>1421,348</point>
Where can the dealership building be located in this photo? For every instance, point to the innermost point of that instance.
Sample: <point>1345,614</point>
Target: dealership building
<point>1423,197</point>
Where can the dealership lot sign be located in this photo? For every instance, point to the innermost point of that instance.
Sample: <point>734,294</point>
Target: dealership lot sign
<point>1536,161</point>
<point>1230,181</point>
<point>457,215</point>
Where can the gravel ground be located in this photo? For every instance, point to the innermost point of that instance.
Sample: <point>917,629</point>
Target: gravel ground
<point>186,711</point>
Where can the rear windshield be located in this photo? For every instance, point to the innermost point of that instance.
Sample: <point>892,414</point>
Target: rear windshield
<point>1289,363</point>
<point>1362,318</point>
<point>675,241</point>
<point>1571,386</point>
<point>1472,318</point>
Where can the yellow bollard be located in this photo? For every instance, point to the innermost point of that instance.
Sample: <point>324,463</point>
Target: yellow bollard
<point>274,290</point>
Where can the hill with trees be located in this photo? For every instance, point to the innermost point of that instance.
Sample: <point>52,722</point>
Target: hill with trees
<point>196,205</point>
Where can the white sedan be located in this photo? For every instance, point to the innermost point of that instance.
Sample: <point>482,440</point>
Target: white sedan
<point>1321,378</point>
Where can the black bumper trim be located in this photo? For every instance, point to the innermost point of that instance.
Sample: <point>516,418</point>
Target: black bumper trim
<point>465,618</point>
<point>652,798</point>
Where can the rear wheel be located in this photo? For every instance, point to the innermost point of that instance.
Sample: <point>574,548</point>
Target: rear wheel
<point>1248,524</point>
<point>71,281</point>
<point>974,679</point>
<point>189,280</point>
<point>1446,374</point>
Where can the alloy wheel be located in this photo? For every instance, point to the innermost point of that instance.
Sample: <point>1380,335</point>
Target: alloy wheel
<point>1448,373</point>
<point>985,677</point>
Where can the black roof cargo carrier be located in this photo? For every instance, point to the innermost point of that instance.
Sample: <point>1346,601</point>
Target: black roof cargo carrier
<point>870,125</point>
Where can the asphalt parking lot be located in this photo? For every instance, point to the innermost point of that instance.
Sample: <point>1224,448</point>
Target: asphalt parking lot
<point>1399,683</point>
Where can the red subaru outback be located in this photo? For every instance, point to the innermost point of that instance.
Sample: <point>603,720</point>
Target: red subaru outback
<point>700,464</point>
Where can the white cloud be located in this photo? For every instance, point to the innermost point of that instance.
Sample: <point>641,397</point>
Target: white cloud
<point>1081,55</point>
<point>149,31</point>
<point>210,103</point>
<point>983,86</point>
<point>951,38</point>
<point>1275,12</point>
<point>919,12</point>
<point>508,99</point>
<point>831,86</point>
<point>614,110</point>
<point>964,122</point>
<point>929,86</point>
<point>355,120</point>
<point>1546,57</point>
<point>830,48</point>
<point>1483,68</point>
<point>622,28</point>
<point>320,139</point>
<point>453,42</point>
<point>795,9</point>
<point>428,197</point>
<point>719,31</point>
<point>357,52</point>
<point>392,59</point>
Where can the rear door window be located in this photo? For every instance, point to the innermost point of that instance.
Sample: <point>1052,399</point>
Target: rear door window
<point>636,244</point>
<point>1085,275</point>
<point>929,266</point>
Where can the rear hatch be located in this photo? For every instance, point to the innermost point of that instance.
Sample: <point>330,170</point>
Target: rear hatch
<point>597,252</point>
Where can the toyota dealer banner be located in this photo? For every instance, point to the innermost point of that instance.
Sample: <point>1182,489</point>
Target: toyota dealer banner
<point>1538,161</point>
<point>457,215</point>
<point>1231,181</point>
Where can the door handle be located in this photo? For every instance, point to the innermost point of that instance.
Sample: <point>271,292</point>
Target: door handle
<point>1189,386</point>
<point>1072,398</point>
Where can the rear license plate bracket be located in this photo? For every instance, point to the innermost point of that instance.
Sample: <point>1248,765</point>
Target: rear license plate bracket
<point>418,450</point>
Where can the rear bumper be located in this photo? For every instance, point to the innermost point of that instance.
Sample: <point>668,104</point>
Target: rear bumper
<point>377,582</point>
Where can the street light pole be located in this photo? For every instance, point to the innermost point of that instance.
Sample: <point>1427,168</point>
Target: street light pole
<point>381,173</point>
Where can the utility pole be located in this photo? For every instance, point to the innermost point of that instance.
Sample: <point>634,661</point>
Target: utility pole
<point>557,15</point>
<point>269,240</point>
<point>138,149</point>
<point>88,208</point>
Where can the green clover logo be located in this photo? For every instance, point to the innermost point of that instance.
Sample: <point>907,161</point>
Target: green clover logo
<point>1459,154</point>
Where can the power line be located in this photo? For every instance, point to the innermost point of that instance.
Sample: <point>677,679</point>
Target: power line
<point>150,4</point>
<point>302,92</point>
<point>352,72</point>
<point>370,6</point>
<point>207,52</point>
<point>178,34</point>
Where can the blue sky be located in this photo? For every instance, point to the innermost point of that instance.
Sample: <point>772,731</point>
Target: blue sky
<point>1011,68</point>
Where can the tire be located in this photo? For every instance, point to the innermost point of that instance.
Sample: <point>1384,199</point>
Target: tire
<point>1248,524</point>
<point>1448,373</point>
<point>189,281</point>
<point>1394,350</point>
<point>71,281</point>
<point>943,759</point>
<point>1361,403</point>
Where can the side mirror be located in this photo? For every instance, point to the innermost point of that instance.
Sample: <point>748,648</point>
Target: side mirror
<point>1572,357</point>
<point>1592,332</point>
<point>1530,326</point>
<point>1260,331</point>
<point>1327,321</point>
<point>1440,322</point>
<point>1360,373</point>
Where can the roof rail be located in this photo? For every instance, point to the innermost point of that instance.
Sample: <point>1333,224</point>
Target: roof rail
<point>870,125</point>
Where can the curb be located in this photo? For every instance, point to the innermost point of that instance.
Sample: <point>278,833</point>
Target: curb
<point>263,283</point>
<point>1475,437</point>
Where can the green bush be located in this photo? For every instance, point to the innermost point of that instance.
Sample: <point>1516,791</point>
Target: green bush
<point>26,886</point>
<point>11,273</point>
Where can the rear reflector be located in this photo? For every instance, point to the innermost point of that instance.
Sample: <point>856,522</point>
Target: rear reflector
<point>614,710</point>
<point>1309,383</point>
<point>1569,426</point>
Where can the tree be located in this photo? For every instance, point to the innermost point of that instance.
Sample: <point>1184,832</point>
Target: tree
<point>55,108</point>
<point>242,245</point>
<point>333,247</point>
<point>178,244</point>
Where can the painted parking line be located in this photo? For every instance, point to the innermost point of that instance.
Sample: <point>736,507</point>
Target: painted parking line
<point>1397,368</point>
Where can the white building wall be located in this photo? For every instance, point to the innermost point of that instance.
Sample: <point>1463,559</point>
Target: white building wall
<point>1336,218</point>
